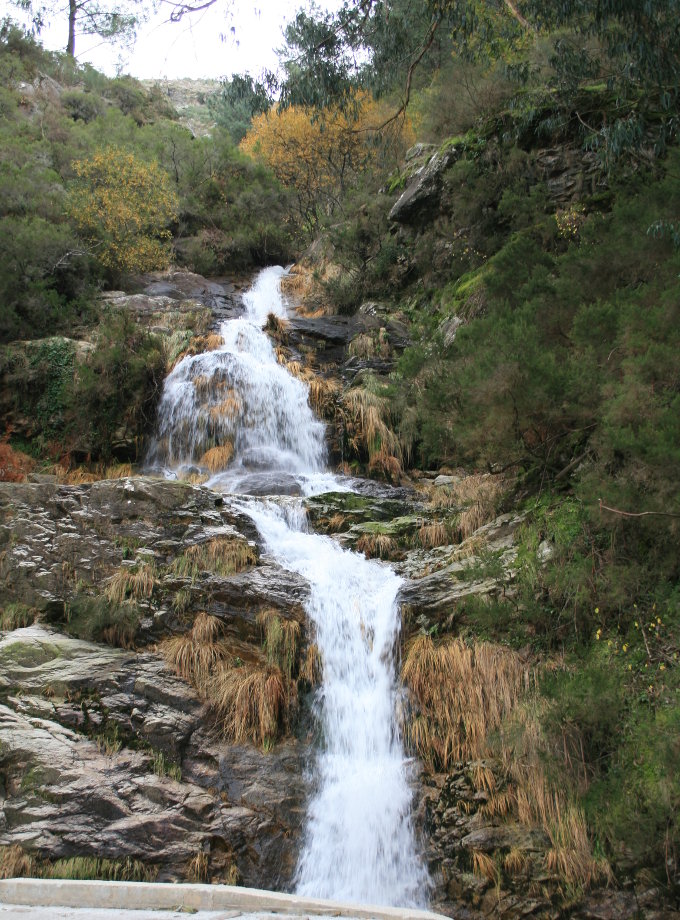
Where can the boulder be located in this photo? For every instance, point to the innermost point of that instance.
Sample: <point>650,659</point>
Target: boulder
<point>420,200</point>
<point>79,756</point>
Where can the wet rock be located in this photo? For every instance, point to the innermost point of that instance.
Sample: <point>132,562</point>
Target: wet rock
<point>66,542</point>
<point>422,194</point>
<point>69,789</point>
<point>433,594</point>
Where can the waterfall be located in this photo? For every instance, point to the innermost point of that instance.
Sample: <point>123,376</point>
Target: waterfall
<point>359,843</point>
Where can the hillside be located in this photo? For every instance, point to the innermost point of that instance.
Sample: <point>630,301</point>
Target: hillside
<point>485,312</point>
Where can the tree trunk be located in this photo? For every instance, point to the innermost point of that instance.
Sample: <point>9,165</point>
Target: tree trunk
<point>71,44</point>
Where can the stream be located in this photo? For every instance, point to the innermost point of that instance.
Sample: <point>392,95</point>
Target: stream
<point>241,415</point>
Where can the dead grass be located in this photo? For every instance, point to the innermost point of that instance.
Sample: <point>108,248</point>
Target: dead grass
<point>435,533</point>
<point>365,415</point>
<point>516,862</point>
<point>220,556</point>
<point>362,346</point>
<point>17,616</point>
<point>228,408</point>
<point>311,668</point>
<point>483,866</point>
<point>480,494</point>
<point>376,546</point>
<point>14,464</point>
<point>250,702</point>
<point>83,474</point>
<point>196,654</point>
<point>131,583</point>
<point>14,861</point>
<point>473,702</point>
<point>277,327</point>
<point>540,801</point>
<point>195,479</point>
<point>281,639</point>
<point>335,523</point>
<point>197,869</point>
<point>218,458</point>
<point>324,394</point>
<point>464,691</point>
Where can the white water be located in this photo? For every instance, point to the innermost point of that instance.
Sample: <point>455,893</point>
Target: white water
<point>359,843</point>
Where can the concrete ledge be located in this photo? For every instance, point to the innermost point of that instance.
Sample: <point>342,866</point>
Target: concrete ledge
<point>156,896</point>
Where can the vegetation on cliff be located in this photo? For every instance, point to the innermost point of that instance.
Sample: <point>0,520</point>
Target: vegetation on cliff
<point>514,285</point>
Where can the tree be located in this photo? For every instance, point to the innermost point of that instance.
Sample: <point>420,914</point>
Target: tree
<point>111,21</point>
<point>239,101</point>
<point>317,154</point>
<point>632,46</point>
<point>122,205</point>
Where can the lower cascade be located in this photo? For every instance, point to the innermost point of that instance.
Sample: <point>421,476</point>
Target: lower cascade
<point>359,842</point>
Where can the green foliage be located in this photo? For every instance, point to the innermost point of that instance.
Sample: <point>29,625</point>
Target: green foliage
<point>116,387</point>
<point>232,213</point>
<point>164,767</point>
<point>17,616</point>
<point>98,619</point>
<point>238,102</point>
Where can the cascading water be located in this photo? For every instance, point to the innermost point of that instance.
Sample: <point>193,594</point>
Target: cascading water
<point>359,842</point>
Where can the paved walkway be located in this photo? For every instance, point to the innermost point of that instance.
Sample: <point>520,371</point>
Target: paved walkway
<point>55,899</point>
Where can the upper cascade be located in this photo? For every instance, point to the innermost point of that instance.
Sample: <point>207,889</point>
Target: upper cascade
<point>236,412</point>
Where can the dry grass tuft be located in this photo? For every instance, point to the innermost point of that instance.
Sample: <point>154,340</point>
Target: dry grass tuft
<point>483,866</point>
<point>197,869</point>
<point>14,464</point>
<point>362,346</point>
<point>16,863</point>
<point>195,479</point>
<point>202,384</point>
<point>277,327</point>
<point>198,345</point>
<point>218,458</point>
<point>202,343</point>
<point>436,533</point>
<point>250,701</point>
<point>335,523</point>
<point>365,418</point>
<point>228,408</point>
<point>281,640</point>
<point>131,583</point>
<point>463,692</point>
<point>480,494</point>
<point>376,546</point>
<point>323,395</point>
<point>483,778</point>
<point>220,556</point>
<point>311,668</point>
<point>195,655</point>
<point>516,862</point>
<point>80,474</point>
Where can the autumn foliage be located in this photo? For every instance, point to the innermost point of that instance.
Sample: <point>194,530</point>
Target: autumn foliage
<point>14,465</point>
<point>122,206</point>
<point>318,153</point>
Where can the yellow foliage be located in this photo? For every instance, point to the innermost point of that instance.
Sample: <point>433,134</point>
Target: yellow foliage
<point>122,205</point>
<point>316,154</point>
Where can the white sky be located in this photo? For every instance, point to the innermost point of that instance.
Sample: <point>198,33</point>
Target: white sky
<point>200,45</point>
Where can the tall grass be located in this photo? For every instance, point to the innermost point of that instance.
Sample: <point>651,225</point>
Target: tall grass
<point>131,583</point>
<point>17,616</point>
<point>281,640</point>
<point>250,701</point>
<point>463,692</point>
<point>219,556</point>
<point>195,654</point>
<point>473,701</point>
<point>15,862</point>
